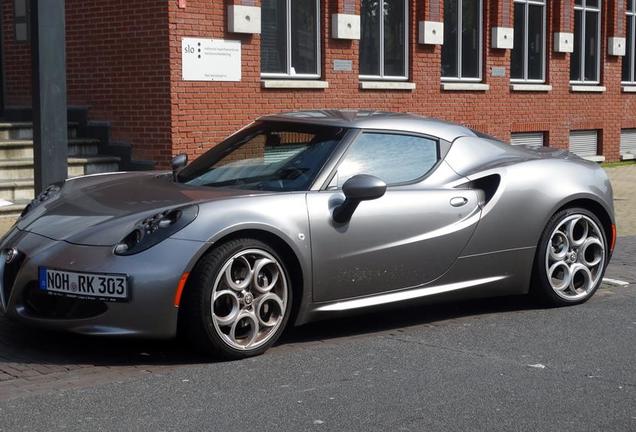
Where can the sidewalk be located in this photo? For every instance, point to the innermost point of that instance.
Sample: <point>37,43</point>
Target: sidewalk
<point>623,180</point>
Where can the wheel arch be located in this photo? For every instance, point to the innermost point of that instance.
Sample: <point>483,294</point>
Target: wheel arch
<point>598,209</point>
<point>282,247</point>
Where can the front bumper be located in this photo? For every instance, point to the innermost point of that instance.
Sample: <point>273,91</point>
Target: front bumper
<point>153,277</point>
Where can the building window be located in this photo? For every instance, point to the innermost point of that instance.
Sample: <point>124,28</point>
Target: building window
<point>22,12</point>
<point>290,40</point>
<point>629,69</point>
<point>527,62</point>
<point>461,52</point>
<point>585,66</point>
<point>383,42</point>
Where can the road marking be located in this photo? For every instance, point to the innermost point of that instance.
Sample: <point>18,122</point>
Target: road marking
<point>537,366</point>
<point>615,282</point>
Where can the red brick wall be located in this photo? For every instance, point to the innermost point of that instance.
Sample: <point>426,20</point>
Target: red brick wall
<point>124,60</point>
<point>17,61</point>
<point>117,64</point>
<point>204,113</point>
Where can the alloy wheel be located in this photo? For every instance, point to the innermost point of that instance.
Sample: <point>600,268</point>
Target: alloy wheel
<point>575,257</point>
<point>249,299</point>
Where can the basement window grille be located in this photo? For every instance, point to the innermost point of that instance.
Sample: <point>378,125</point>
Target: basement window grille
<point>584,143</point>
<point>529,139</point>
<point>628,143</point>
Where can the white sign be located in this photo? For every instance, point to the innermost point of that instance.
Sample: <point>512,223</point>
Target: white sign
<point>210,59</point>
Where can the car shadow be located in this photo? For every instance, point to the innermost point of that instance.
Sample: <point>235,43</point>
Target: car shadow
<point>26,345</point>
<point>20,344</point>
<point>400,317</point>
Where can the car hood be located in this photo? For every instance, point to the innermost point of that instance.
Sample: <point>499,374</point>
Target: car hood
<point>101,210</point>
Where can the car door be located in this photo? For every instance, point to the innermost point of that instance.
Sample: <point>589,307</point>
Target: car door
<point>405,239</point>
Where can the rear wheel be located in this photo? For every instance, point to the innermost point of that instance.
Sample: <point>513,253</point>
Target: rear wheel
<point>238,300</point>
<point>571,258</point>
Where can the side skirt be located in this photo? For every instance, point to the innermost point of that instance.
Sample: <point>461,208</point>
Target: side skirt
<point>493,274</point>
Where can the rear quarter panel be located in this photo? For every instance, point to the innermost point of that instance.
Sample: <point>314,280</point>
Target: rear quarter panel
<point>529,194</point>
<point>533,187</point>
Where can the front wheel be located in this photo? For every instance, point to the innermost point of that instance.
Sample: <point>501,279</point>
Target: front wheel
<point>571,258</point>
<point>238,300</point>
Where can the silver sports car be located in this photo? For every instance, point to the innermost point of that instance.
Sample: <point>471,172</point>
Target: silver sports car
<point>304,216</point>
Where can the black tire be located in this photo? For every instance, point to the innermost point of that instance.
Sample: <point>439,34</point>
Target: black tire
<point>541,288</point>
<point>196,322</point>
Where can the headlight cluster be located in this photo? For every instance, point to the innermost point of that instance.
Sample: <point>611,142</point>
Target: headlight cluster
<point>155,229</point>
<point>50,192</point>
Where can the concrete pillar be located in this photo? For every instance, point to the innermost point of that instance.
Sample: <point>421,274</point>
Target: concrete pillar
<point>50,122</point>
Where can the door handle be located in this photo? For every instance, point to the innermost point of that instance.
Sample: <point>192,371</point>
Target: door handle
<point>458,201</point>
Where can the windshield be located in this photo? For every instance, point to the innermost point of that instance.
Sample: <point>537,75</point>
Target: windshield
<point>267,156</point>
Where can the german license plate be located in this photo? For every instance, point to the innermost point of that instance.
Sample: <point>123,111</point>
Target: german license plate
<point>98,286</point>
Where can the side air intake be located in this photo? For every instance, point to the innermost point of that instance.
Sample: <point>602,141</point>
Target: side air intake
<point>487,184</point>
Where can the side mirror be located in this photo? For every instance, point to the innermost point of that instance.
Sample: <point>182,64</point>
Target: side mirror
<point>358,188</point>
<point>178,162</point>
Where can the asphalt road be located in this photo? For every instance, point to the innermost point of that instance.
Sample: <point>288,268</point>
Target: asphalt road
<point>482,365</point>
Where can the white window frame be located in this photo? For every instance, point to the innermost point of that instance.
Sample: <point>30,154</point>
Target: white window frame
<point>585,8</point>
<point>526,20</point>
<point>632,67</point>
<point>289,74</point>
<point>22,19</point>
<point>460,24</point>
<point>382,76</point>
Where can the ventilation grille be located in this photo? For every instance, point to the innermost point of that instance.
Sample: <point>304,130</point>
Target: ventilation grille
<point>584,143</point>
<point>531,139</point>
<point>628,142</point>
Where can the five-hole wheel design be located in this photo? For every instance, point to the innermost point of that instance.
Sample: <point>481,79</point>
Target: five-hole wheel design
<point>238,299</point>
<point>249,299</point>
<point>571,258</point>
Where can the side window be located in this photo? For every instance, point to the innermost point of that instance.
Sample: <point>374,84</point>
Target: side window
<point>393,158</point>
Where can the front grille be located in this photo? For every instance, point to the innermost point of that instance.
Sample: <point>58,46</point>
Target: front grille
<point>11,270</point>
<point>41,304</point>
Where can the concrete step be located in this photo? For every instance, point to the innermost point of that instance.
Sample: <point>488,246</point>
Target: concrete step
<point>15,190</point>
<point>14,210</point>
<point>24,130</point>
<point>23,149</point>
<point>22,169</point>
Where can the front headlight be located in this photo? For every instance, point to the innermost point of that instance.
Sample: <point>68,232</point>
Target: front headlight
<point>47,194</point>
<point>155,229</point>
